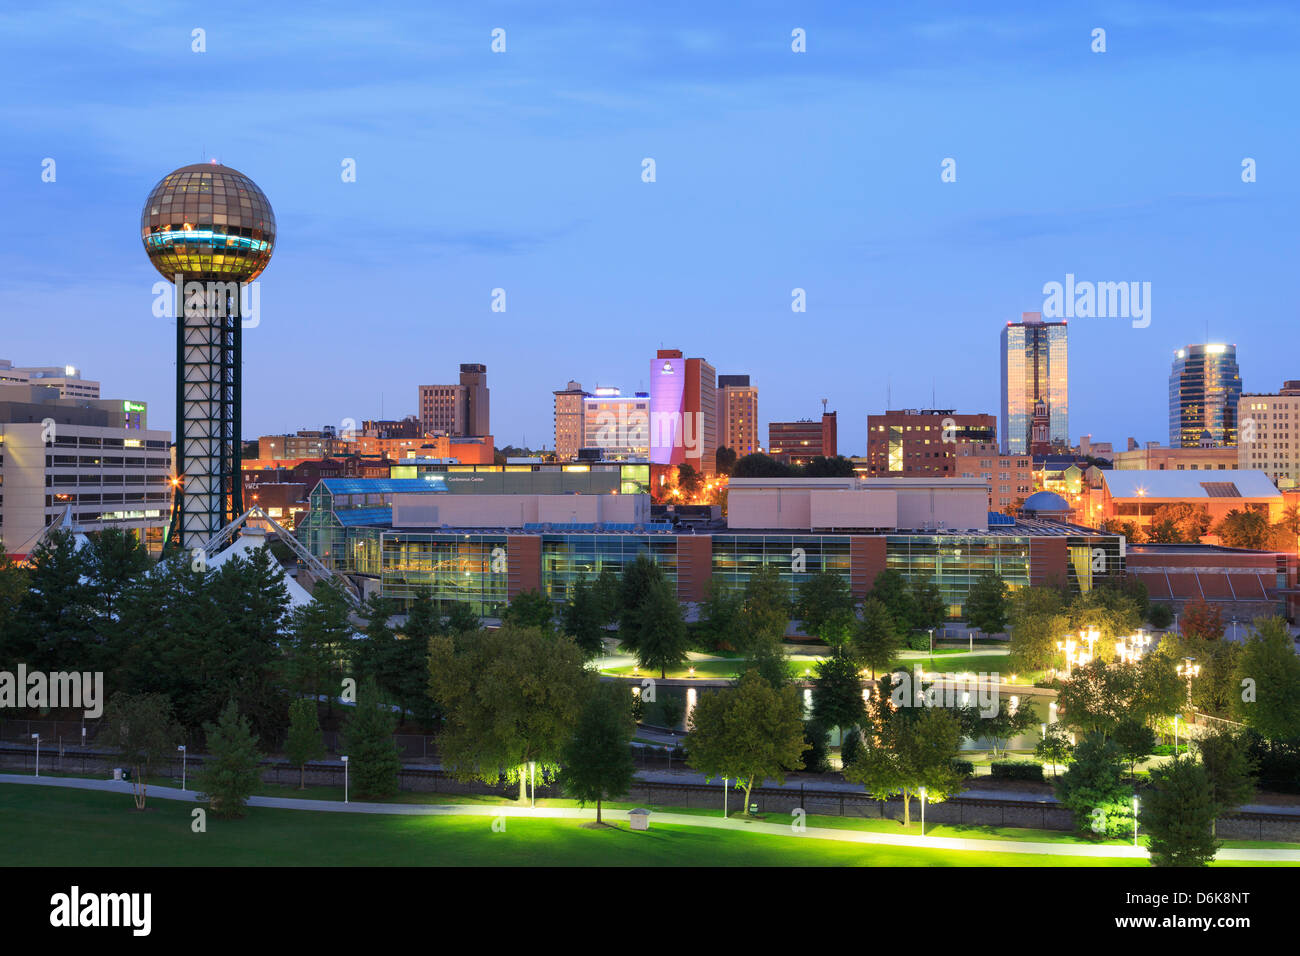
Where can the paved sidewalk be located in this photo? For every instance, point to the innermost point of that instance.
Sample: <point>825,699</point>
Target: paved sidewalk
<point>680,819</point>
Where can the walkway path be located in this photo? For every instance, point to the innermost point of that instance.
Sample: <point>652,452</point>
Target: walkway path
<point>680,819</point>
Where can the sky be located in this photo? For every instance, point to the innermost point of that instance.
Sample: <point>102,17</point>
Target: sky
<point>774,170</point>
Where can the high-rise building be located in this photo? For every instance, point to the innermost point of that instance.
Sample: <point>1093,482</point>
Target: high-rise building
<point>796,443</point>
<point>66,378</point>
<point>1268,430</point>
<point>97,457</point>
<point>616,425</point>
<point>1035,384</point>
<point>683,412</point>
<point>568,420</point>
<point>211,228</point>
<point>459,410</point>
<point>922,443</point>
<point>1204,388</point>
<point>737,414</point>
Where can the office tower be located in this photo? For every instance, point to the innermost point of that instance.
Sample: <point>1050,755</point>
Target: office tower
<point>796,443</point>
<point>1204,388</point>
<point>1268,428</point>
<point>737,415</point>
<point>459,410</point>
<point>924,442</point>
<point>1035,383</point>
<point>473,378</point>
<point>683,411</point>
<point>96,457</point>
<point>210,227</point>
<point>66,378</point>
<point>616,425</point>
<point>568,420</point>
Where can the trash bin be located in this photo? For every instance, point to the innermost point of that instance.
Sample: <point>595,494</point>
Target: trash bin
<point>753,808</point>
<point>126,774</point>
<point>640,818</point>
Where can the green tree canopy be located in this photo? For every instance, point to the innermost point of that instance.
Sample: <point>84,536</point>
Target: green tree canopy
<point>747,733</point>
<point>231,772</point>
<point>597,759</point>
<point>1269,677</point>
<point>913,750</point>
<point>304,743</point>
<point>1178,813</point>
<point>373,761</point>
<point>141,730</point>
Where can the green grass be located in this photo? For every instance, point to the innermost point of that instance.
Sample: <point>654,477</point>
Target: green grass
<point>52,827</point>
<point>712,669</point>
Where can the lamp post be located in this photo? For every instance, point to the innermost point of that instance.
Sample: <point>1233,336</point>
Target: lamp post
<point>931,630</point>
<point>1175,736</point>
<point>724,798</point>
<point>1135,820</point>
<point>1189,669</point>
<point>345,778</point>
<point>923,811</point>
<point>37,738</point>
<point>184,755</point>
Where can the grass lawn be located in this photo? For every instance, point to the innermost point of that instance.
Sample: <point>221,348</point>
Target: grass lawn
<point>714,669</point>
<point>53,827</point>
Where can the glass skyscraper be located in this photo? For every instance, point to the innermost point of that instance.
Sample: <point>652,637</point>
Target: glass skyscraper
<point>1204,387</point>
<point>1034,368</point>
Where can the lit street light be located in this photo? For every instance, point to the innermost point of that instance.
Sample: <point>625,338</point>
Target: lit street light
<point>345,778</point>
<point>184,755</point>
<point>37,738</point>
<point>923,811</point>
<point>1189,669</point>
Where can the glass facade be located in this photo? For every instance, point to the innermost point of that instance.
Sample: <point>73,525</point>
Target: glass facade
<point>466,568</point>
<point>796,557</point>
<point>1204,387</point>
<point>1035,365</point>
<point>955,562</point>
<point>567,557</point>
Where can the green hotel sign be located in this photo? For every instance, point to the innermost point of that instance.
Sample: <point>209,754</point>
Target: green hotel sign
<point>133,407</point>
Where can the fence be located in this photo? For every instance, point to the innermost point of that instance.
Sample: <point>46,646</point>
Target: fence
<point>968,811</point>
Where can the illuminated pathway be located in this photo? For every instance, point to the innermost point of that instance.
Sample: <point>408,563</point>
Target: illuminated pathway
<point>678,819</point>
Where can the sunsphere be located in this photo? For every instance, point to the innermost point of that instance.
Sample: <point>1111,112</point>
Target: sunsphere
<point>208,221</point>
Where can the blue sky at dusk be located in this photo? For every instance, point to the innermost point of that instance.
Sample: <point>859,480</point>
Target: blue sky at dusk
<point>775,170</point>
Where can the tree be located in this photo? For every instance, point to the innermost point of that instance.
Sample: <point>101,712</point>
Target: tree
<point>640,577</point>
<point>462,620</point>
<point>1244,529</point>
<point>1037,618</point>
<point>230,774</point>
<point>531,608</point>
<point>758,465</point>
<point>55,616</point>
<point>689,480</point>
<point>1269,675</point>
<point>1054,747</point>
<point>747,733</point>
<point>875,642</point>
<point>1098,697</point>
<point>661,631</point>
<point>1202,620</point>
<point>304,744</point>
<point>1160,616</point>
<point>930,608</point>
<point>141,730</point>
<point>720,615</point>
<point>321,634</point>
<point>820,466</point>
<point>583,618</point>
<point>1135,741</point>
<point>816,758</point>
<point>1229,768</point>
<point>891,589</point>
<point>725,460</point>
<point>765,611</point>
<point>373,761</point>
<point>1006,722</point>
<point>820,600</point>
<point>510,698</point>
<point>986,604</point>
<point>837,693</point>
<point>914,751</point>
<point>1178,814</point>
<point>597,759</point>
<point>1093,789</point>
<point>1178,522</point>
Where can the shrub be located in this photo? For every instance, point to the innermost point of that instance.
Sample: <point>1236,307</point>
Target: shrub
<point>964,767</point>
<point>1017,770</point>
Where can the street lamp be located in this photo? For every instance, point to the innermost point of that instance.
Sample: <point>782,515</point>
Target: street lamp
<point>724,798</point>
<point>1175,736</point>
<point>931,630</point>
<point>1189,669</point>
<point>345,778</point>
<point>37,738</point>
<point>923,811</point>
<point>1135,820</point>
<point>184,755</point>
